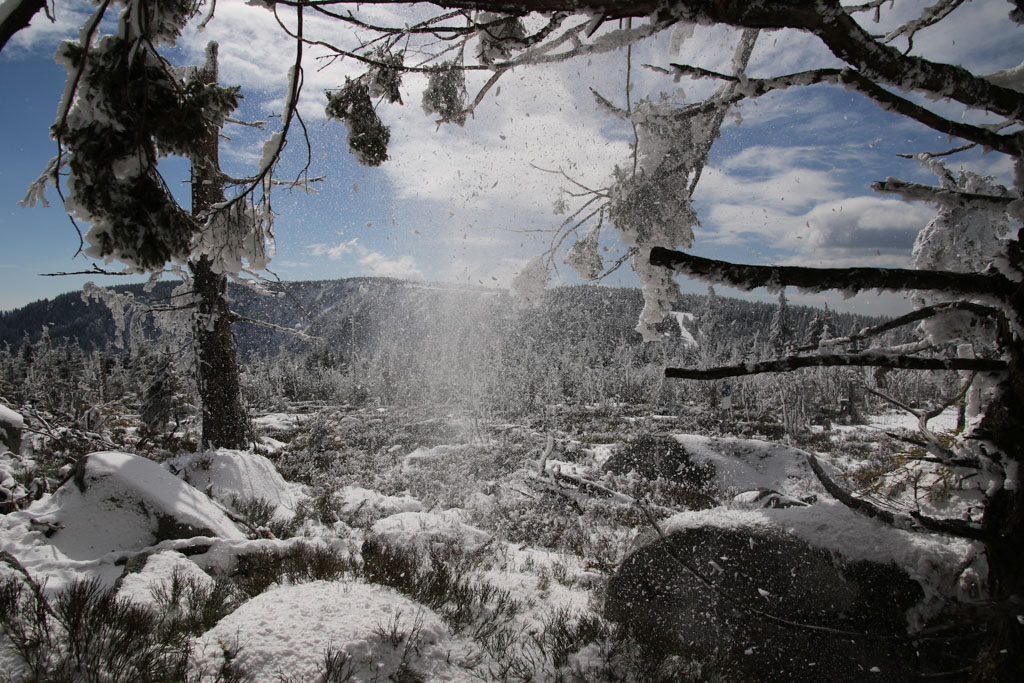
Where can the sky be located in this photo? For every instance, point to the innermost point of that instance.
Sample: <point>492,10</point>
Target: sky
<point>787,182</point>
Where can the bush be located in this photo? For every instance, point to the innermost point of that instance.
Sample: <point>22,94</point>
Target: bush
<point>654,457</point>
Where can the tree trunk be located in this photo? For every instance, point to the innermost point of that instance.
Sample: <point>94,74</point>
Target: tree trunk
<point>224,418</point>
<point>1002,657</point>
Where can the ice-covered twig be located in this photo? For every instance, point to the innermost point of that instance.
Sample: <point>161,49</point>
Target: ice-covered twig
<point>271,326</point>
<point>929,17</point>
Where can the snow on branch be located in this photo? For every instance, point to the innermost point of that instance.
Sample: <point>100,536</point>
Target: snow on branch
<point>876,359</point>
<point>923,313</point>
<point>952,527</point>
<point>826,19</point>
<point>885,99</point>
<point>849,281</point>
<point>931,444</point>
<point>951,198</point>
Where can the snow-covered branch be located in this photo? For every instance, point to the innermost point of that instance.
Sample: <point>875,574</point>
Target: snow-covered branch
<point>826,19</point>
<point>952,527</point>
<point>931,443</point>
<point>952,198</point>
<point>923,313</point>
<point>864,359</point>
<point>854,80</point>
<point>849,281</point>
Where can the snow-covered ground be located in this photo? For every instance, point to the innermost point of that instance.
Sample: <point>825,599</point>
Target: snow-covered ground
<point>139,525</point>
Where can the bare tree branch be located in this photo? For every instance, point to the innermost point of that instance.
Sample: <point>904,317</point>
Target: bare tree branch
<point>929,17</point>
<point>931,442</point>
<point>96,270</point>
<point>866,359</point>
<point>847,280</point>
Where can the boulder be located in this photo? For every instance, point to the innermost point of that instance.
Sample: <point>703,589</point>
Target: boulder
<point>718,618</point>
<point>122,502</point>
<point>231,476</point>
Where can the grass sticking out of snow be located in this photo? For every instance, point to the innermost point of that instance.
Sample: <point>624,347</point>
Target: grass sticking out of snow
<point>87,633</point>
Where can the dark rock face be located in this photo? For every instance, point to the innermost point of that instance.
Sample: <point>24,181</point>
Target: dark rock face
<point>669,609</point>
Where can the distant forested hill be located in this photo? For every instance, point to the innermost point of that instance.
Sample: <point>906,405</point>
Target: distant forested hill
<point>362,313</point>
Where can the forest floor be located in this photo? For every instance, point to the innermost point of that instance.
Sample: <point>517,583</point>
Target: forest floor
<point>376,544</point>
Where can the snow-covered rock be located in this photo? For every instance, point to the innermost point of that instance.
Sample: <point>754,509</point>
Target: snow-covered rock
<point>356,499</point>
<point>422,529</point>
<point>11,491</point>
<point>117,501</point>
<point>745,464</point>
<point>720,589</point>
<point>229,476</point>
<point>930,559</point>
<point>350,422</point>
<point>157,572</point>
<point>422,456</point>
<point>11,426</point>
<point>285,632</point>
<point>766,498</point>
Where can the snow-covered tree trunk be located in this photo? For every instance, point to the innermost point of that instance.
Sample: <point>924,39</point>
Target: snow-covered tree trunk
<point>224,418</point>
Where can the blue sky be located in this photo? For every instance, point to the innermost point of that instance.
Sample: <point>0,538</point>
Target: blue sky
<point>787,185</point>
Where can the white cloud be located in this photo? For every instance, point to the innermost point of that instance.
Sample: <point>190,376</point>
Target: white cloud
<point>866,223</point>
<point>371,262</point>
<point>42,33</point>
<point>337,251</point>
<point>403,267</point>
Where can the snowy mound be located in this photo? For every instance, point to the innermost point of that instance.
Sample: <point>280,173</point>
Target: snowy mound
<point>11,425</point>
<point>229,475</point>
<point>157,572</point>
<point>745,464</point>
<point>120,502</point>
<point>285,632</point>
<point>355,499</point>
<point>418,529</point>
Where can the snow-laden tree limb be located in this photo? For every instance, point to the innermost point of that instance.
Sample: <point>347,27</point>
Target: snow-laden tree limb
<point>864,359</point>
<point>939,195</point>
<point>826,19</point>
<point>923,313</point>
<point>951,527</point>
<point>848,281</point>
